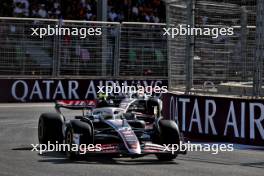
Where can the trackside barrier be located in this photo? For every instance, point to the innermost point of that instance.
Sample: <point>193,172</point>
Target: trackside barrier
<point>49,90</point>
<point>217,118</point>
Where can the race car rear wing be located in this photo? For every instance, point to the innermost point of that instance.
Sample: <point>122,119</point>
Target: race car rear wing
<point>75,104</point>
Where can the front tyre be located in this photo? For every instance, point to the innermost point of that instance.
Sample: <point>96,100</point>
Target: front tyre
<point>81,129</point>
<point>168,134</point>
<point>70,142</point>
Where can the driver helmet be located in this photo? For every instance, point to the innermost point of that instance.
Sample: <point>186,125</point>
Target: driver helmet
<point>102,96</point>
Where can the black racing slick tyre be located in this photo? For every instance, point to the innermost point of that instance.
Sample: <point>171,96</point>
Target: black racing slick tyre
<point>50,128</point>
<point>85,132</point>
<point>168,134</point>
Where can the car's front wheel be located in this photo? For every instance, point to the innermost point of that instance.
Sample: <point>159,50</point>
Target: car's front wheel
<point>168,133</point>
<point>70,142</point>
<point>77,133</point>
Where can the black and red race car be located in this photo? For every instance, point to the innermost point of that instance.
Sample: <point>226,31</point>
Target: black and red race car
<point>134,128</point>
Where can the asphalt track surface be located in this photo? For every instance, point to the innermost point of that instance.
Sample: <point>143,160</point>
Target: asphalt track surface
<point>18,129</point>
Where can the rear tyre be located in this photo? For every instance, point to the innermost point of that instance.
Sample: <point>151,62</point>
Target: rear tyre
<point>168,134</point>
<point>84,131</point>
<point>50,128</point>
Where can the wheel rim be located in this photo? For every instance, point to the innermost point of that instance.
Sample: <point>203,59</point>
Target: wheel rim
<point>69,142</point>
<point>69,138</point>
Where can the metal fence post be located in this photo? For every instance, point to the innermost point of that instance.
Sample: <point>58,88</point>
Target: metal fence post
<point>243,39</point>
<point>102,16</point>
<point>55,55</point>
<point>189,46</point>
<point>117,51</point>
<point>257,80</point>
<point>168,47</point>
<point>59,47</point>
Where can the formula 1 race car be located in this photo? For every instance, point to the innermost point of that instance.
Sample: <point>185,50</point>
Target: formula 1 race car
<point>134,129</point>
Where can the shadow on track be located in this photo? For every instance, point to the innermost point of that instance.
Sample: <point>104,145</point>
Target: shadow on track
<point>254,164</point>
<point>23,148</point>
<point>60,158</point>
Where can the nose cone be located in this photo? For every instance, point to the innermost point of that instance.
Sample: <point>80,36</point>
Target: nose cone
<point>134,147</point>
<point>130,140</point>
<point>127,134</point>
